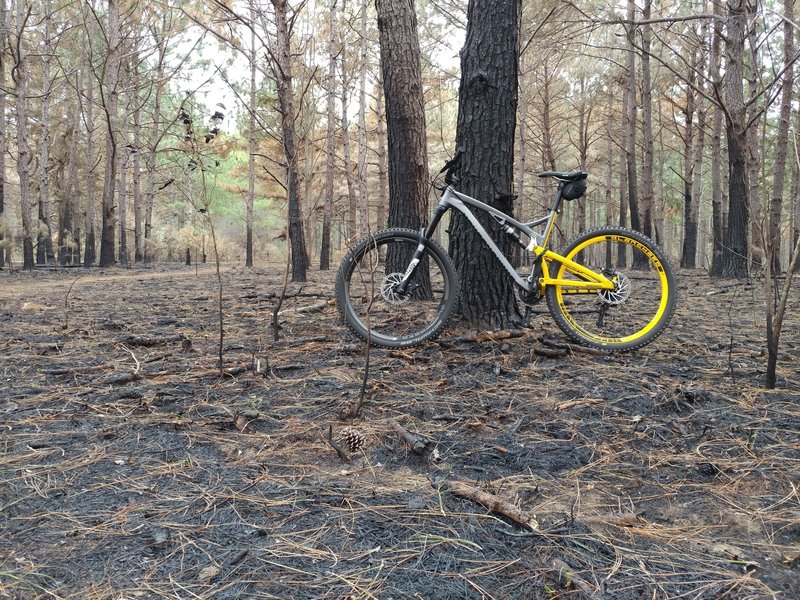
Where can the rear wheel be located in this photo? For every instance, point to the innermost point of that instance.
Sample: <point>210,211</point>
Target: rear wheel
<point>368,298</point>
<point>631,315</point>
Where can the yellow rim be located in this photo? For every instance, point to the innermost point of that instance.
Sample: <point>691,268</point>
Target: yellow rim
<point>561,293</point>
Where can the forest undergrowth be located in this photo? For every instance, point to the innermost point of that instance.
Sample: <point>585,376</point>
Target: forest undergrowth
<point>513,468</point>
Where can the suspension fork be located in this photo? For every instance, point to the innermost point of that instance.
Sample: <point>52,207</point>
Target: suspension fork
<point>424,236</point>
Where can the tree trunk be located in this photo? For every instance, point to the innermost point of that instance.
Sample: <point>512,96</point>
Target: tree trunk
<point>689,251</point>
<point>68,240</point>
<point>151,162</point>
<point>44,247</point>
<point>363,206</point>
<point>122,169</point>
<point>383,174</point>
<point>20,76</point>
<point>330,143</point>
<point>3,93</point>
<point>717,223</point>
<point>90,241</point>
<point>405,113</point>
<point>647,199</point>
<point>630,123</point>
<point>110,103</point>
<point>252,146</point>
<point>138,230</point>
<point>781,142</point>
<point>734,252</point>
<point>283,77</point>
<point>487,104</point>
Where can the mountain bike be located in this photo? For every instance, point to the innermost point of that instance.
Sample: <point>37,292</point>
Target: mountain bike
<point>611,288</point>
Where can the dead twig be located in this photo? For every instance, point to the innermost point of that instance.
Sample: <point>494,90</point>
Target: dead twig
<point>342,454</point>
<point>417,444</point>
<point>493,503</point>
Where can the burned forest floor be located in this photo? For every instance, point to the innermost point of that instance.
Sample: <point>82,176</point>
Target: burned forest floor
<point>131,467</point>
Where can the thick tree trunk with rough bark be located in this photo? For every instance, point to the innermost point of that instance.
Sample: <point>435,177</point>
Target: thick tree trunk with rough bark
<point>486,126</point>
<point>405,113</point>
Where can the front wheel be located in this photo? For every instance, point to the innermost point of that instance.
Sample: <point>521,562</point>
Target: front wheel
<point>631,315</point>
<point>370,301</point>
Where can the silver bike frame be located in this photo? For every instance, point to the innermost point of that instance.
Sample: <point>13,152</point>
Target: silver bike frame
<point>458,201</point>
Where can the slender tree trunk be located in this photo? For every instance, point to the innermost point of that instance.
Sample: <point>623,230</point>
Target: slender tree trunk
<point>330,142</point>
<point>689,251</point>
<point>68,246</point>
<point>363,206</point>
<point>487,103</point>
<point>624,188</point>
<point>252,145</point>
<point>122,169</point>
<point>717,222</point>
<point>151,161</point>
<point>283,76</point>
<point>735,255</point>
<point>647,199</point>
<point>110,105</point>
<point>44,246</point>
<point>20,76</point>
<point>781,141</point>
<point>3,93</point>
<point>352,201</point>
<point>383,168</point>
<point>405,113</point>
<point>138,216</point>
<point>631,126</point>
<point>90,247</point>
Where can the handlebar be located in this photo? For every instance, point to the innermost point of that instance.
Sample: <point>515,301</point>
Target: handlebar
<point>452,165</point>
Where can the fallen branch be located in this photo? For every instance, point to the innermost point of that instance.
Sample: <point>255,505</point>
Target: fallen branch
<point>417,444</point>
<point>493,503</point>
<point>484,336</point>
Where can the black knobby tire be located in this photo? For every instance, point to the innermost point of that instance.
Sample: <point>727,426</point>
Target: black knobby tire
<point>367,303</point>
<point>631,316</point>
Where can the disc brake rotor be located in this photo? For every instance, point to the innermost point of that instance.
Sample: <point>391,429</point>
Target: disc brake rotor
<point>389,286</point>
<point>621,291</point>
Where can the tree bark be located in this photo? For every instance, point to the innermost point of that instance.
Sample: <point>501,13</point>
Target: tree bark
<point>363,206</point>
<point>405,113</point>
<point>90,241</point>
<point>44,246</point>
<point>138,216</point>
<point>717,222</point>
<point>3,93</point>
<point>252,146</point>
<point>110,104</point>
<point>734,252</point>
<point>630,120</point>
<point>383,166</point>
<point>648,196</point>
<point>486,122</point>
<point>283,78</point>
<point>781,141</point>
<point>20,76</point>
<point>330,143</point>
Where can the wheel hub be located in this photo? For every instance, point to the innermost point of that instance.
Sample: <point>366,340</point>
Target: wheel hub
<point>621,291</point>
<point>389,289</point>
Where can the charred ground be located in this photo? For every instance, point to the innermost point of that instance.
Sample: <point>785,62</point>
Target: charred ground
<point>129,468</point>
